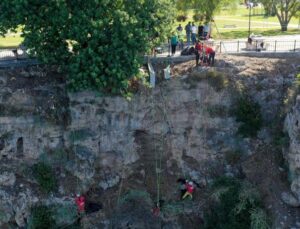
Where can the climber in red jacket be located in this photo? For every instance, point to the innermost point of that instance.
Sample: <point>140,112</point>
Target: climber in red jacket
<point>211,55</point>
<point>189,186</point>
<point>80,202</point>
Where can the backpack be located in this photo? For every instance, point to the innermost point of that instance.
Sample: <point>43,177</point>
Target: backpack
<point>192,51</point>
<point>185,51</point>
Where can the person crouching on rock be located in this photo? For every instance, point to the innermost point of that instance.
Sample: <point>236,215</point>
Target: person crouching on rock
<point>189,186</point>
<point>211,55</point>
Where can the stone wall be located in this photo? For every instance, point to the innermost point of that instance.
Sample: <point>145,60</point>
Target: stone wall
<point>113,145</point>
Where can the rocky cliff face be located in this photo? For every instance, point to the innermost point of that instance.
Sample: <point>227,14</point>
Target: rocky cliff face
<point>293,154</point>
<point>111,148</point>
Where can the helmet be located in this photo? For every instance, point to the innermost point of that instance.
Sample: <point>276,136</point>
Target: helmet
<point>78,194</point>
<point>191,183</point>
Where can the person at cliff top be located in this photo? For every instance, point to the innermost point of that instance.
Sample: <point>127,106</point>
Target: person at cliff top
<point>189,186</point>
<point>198,49</point>
<point>80,202</point>
<point>211,55</point>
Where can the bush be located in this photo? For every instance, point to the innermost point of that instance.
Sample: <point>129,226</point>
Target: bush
<point>181,18</point>
<point>41,218</point>
<point>248,113</point>
<point>45,176</point>
<point>236,205</point>
<point>64,214</point>
<point>198,17</point>
<point>215,79</point>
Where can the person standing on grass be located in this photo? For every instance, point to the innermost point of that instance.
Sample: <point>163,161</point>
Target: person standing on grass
<point>194,33</point>
<point>179,28</point>
<point>174,42</point>
<point>188,31</point>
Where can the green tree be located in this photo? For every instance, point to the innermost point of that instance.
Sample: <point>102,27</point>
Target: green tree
<point>99,43</point>
<point>206,9</point>
<point>283,9</point>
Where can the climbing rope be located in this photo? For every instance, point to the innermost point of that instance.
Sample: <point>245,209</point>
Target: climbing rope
<point>158,155</point>
<point>219,34</point>
<point>170,126</point>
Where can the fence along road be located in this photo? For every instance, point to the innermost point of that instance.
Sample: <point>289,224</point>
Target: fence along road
<point>268,46</point>
<point>235,46</point>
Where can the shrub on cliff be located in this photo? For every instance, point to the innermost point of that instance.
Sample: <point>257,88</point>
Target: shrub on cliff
<point>41,218</point>
<point>236,204</point>
<point>45,176</point>
<point>248,113</point>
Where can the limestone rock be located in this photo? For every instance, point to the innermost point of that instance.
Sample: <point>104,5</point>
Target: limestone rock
<point>7,178</point>
<point>290,199</point>
<point>292,127</point>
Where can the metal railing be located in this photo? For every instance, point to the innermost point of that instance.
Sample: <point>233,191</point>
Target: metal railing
<point>267,46</point>
<point>12,54</point>
<point>220,46</point>
<point>241,46</point>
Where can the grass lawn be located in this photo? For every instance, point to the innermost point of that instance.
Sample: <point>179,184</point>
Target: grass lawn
<point>267,26</point>
<point>244,33</point>
<point>10,41</point>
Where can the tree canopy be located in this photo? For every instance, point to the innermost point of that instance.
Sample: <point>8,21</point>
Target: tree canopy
<point>283,9</point>
<point>99,43</point>
<point>206,9</point>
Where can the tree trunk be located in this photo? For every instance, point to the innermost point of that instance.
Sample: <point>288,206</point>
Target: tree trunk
<point>283,26</point>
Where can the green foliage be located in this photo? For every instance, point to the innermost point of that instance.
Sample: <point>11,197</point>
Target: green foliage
<point>64,214</point>
<point>259,219</point>
<point>136,194</point>
<point>41,218</point>
<point>55,216</point>
<point>215,79</point>
<point>197,17</point>
<point>280,139</point>
<point>181,18</point>
<point>99,43</point>
<point>205,9</point>
<point>236,205</point>
<point>248,113</point>
<point>284,10</point>
<point>45,176</point>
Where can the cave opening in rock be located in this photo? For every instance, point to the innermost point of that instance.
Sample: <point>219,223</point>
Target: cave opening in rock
<point>20,147</point>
